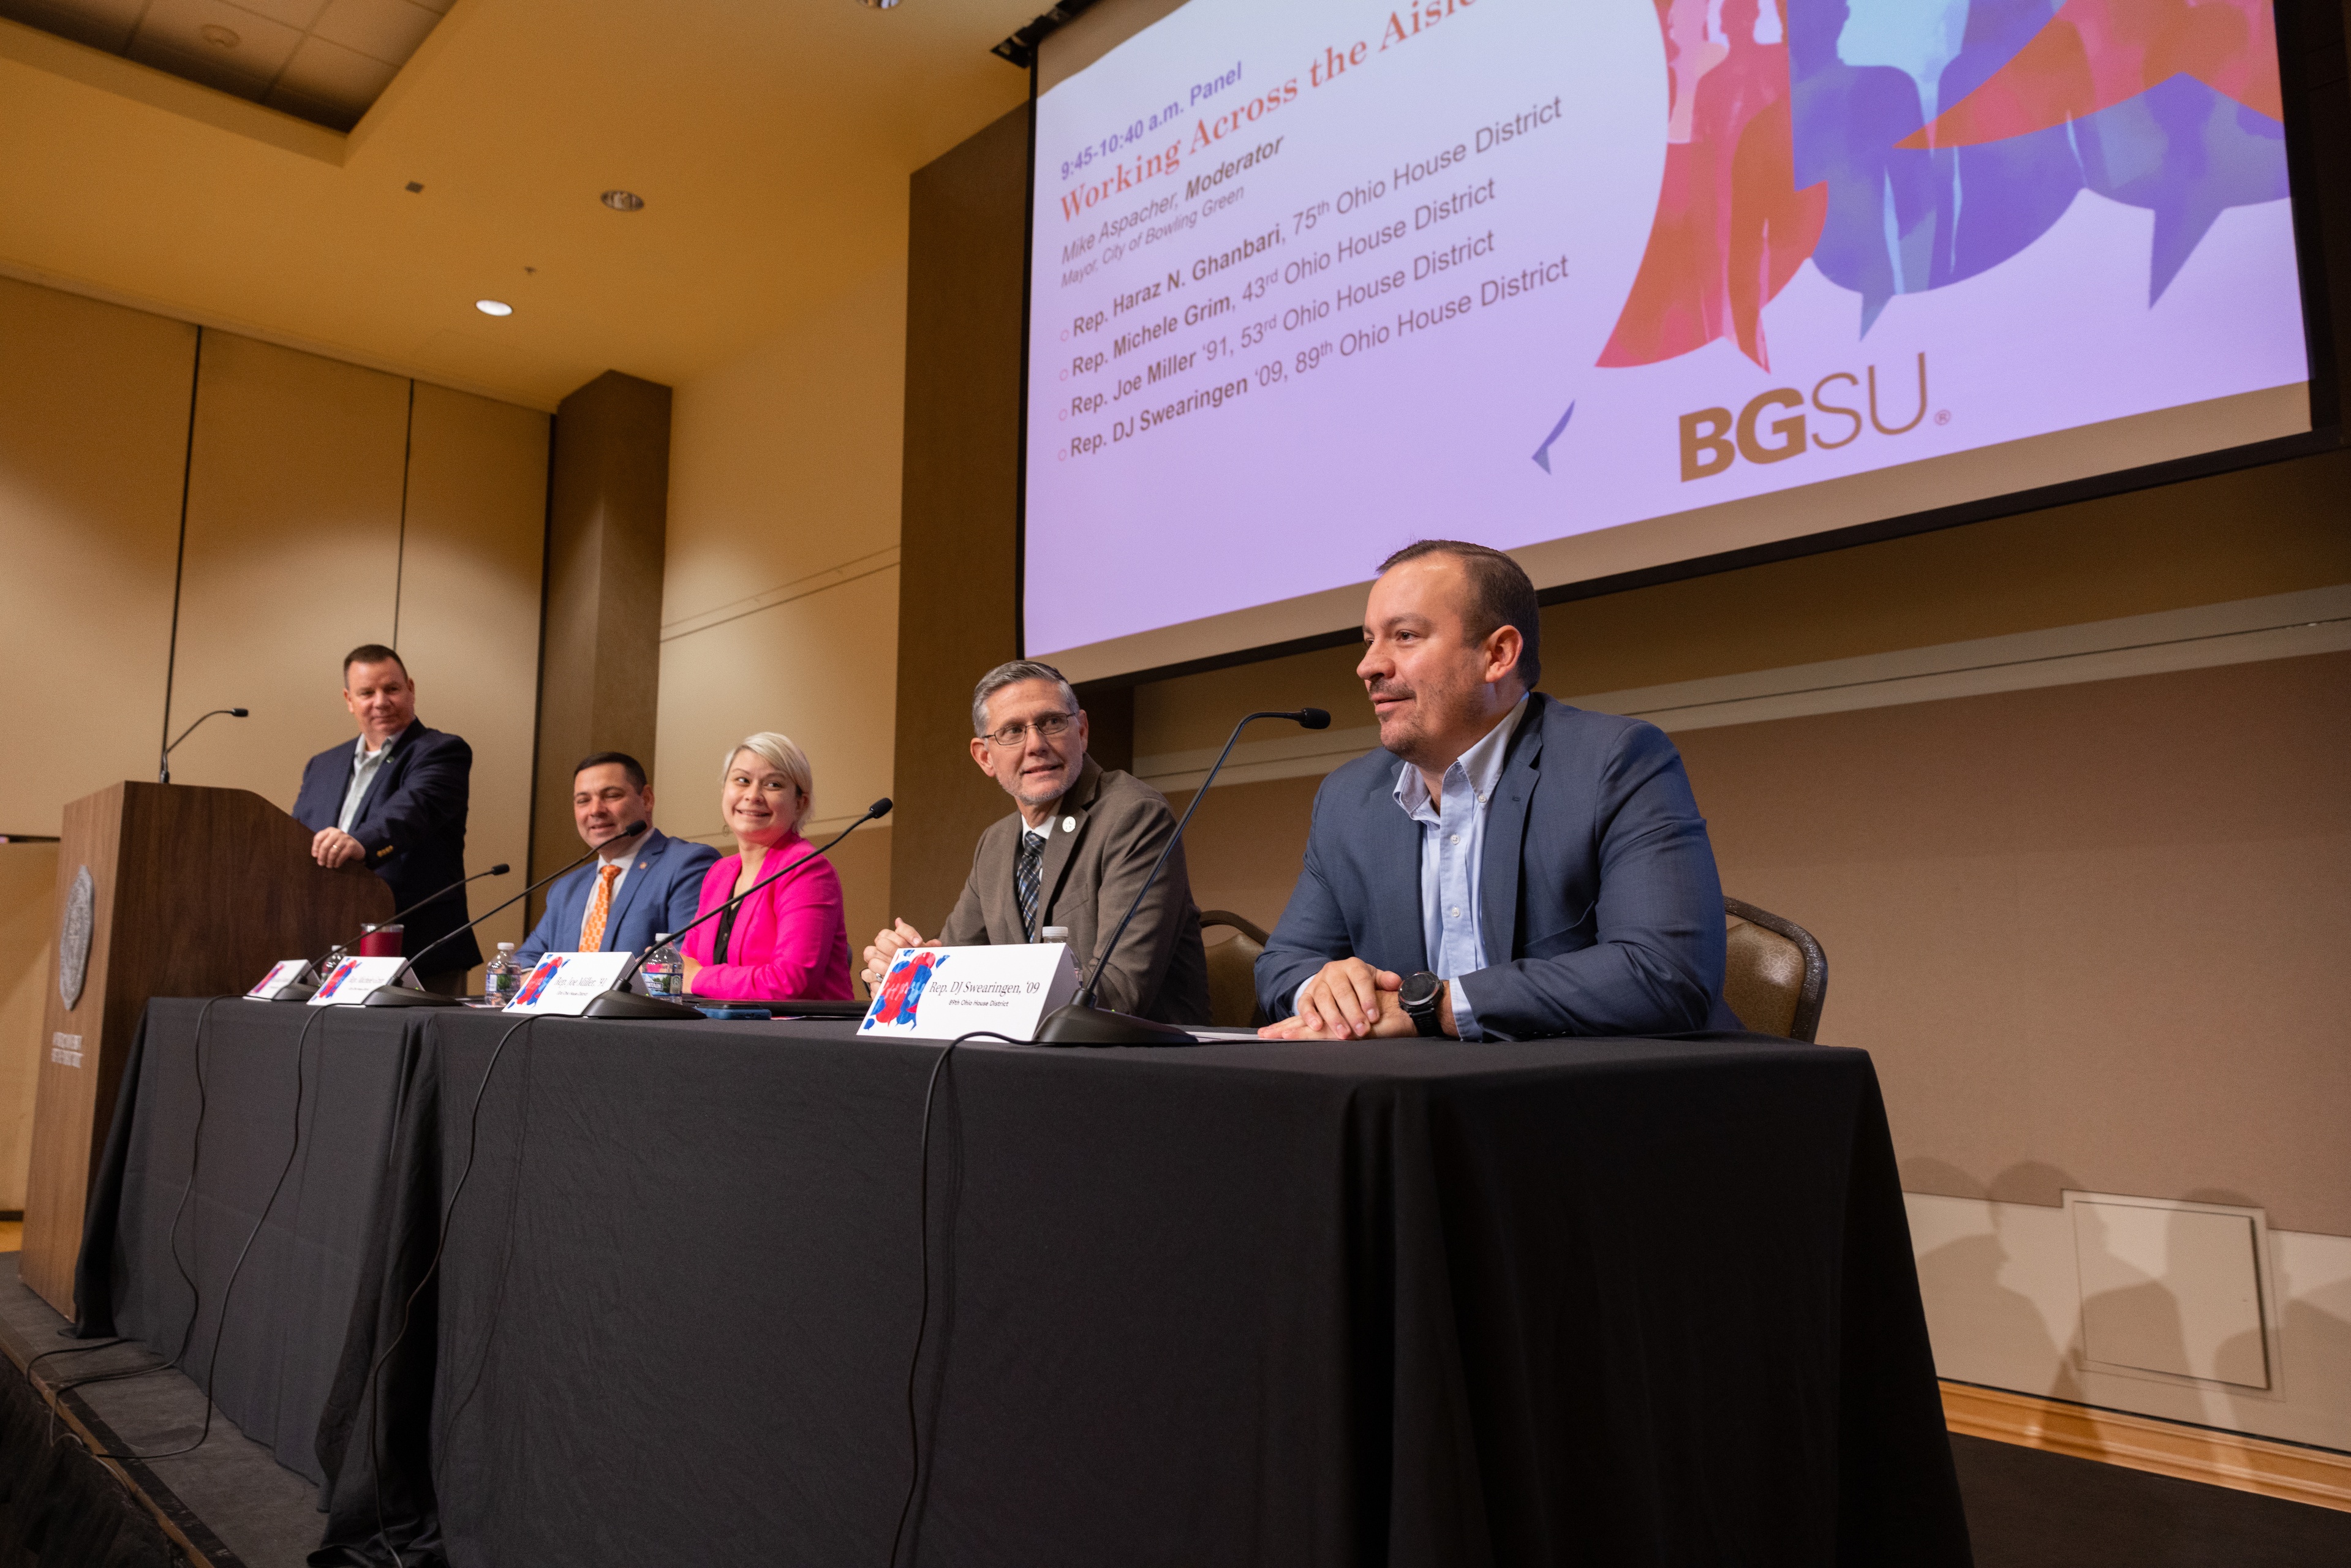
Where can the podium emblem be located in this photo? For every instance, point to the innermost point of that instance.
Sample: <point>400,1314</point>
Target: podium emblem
<point>73,941</point>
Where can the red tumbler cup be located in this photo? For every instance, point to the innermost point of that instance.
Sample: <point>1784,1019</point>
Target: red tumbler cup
<point>380,942</point>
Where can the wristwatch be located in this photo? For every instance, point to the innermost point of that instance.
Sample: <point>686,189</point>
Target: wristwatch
<point>1420,997</point>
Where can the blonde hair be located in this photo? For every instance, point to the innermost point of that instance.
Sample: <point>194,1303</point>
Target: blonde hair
<point>779,752</point>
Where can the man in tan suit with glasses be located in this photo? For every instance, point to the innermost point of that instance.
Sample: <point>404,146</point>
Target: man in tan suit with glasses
<point>1074,854</point>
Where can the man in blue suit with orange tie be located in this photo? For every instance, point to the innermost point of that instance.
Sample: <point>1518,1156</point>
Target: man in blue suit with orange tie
<point>641,888</point>
<point>1505,866</point>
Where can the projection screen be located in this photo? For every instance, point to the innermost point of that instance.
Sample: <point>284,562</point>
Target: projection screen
<point>1615,284</point>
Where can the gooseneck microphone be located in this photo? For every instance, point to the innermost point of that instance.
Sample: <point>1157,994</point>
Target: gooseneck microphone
<point>621,1002</point>
<point>303,990</point>
<point>164,764</point>
<point>1082,1023</point>
<point>400,995</point>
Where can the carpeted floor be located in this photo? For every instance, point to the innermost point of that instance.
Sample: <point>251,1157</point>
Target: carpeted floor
<point>2030,1510</point>
<point>2025,1508</point>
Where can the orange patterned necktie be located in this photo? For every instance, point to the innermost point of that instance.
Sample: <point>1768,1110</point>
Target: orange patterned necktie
<point>600,908</point>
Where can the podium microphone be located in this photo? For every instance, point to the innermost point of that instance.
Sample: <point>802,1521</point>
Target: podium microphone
<point>400,995</point>
<point>303,991</point>
<point>621,1002</point>
<point>163,764</point>
<point>1082,1023</point>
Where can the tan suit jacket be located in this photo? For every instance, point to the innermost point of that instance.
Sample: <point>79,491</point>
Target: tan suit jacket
<point>1107,831</point>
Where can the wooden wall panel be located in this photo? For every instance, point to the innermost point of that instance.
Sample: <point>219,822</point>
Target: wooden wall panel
<point>963,420</point>
<point>93,427</point>
<point>469,594</point>
<point>28,973</point>
<point>293,554</point>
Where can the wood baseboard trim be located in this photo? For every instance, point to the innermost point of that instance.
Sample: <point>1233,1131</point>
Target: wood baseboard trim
<point>2317,1476</point>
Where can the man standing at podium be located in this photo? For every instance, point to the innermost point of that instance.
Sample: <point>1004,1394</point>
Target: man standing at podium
<point>395,802</point>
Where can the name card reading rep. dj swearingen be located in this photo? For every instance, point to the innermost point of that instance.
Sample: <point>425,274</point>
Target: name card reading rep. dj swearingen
<point>939,993</point>
<point>349,983</point>
<point>562,984</point>
<point>282,974</point>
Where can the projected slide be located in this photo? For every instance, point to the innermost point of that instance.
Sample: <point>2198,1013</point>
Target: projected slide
<point>1636,280</point>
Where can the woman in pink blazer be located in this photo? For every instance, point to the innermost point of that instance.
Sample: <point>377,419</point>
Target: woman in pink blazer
<point>788,939</point>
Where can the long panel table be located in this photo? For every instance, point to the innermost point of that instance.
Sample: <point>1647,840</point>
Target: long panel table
<point>1614,1301</point>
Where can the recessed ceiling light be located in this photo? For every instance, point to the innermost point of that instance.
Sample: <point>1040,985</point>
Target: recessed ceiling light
<point>220,37</point>
<point>624,201</point>
<point>493,307</point>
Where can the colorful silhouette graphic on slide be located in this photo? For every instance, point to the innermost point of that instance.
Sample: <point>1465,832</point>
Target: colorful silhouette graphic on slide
<point>902,988</point>
<point>1904,146</point>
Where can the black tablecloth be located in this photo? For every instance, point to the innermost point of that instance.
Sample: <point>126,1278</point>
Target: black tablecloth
<point>1599,1302</point>
<point>156,1248</point>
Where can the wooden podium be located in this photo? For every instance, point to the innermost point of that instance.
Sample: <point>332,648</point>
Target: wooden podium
<point>190,891</point>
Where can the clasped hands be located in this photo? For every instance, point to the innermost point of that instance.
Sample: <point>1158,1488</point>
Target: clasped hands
<point>334,848</point>
<point>1348,999</point>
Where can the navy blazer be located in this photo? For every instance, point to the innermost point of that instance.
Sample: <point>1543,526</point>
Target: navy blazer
<point>412,826</point>
<point>1600,902</point>
<point>662,892</point>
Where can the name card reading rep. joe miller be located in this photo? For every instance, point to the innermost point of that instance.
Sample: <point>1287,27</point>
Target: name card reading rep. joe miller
<point>939,993</point>
<point>563,983</point>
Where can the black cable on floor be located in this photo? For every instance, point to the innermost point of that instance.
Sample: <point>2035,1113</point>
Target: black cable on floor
<point>375,1387</point>
<point>923,1318</point>
<point>220,1326</point>
<point>196,1155</point>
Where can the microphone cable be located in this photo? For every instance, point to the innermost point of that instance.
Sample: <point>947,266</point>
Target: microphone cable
<point>923,1318</point>
<point>229,1290</point>
<point>196,1154</point>
<point>440,1243</point>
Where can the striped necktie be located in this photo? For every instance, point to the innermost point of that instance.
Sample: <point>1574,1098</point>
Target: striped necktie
<point>600,909</point>
<point>1026,875</point>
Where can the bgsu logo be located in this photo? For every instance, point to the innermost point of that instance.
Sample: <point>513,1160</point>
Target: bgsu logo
<point>902,991</point>
<point>1765,432</point>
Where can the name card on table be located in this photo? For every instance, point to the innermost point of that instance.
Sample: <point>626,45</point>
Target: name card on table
<point>281,975</point>
<point>561,985</point>
<point>349,983</point>
<point>938,993</point>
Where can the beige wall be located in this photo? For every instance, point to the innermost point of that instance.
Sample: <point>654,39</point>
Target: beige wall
<point>93,428</point>
<point>780,583</point>
<point>296,550</point>
<point>28,877</point>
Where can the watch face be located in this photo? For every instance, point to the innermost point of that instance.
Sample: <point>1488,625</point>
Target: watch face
<point>1419,989</point>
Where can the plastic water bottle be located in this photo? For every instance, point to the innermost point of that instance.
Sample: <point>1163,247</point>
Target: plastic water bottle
<point>662,971</point>
<point>501,981</point>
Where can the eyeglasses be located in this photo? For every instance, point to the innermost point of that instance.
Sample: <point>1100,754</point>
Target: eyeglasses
<point>1046,728</point>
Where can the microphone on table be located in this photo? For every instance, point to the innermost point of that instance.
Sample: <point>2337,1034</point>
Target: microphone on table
<point>1082,1023</point>
<point>303,991</point>
<point>164,764</point>
<point>621,1002</point>
<point>399,995</point>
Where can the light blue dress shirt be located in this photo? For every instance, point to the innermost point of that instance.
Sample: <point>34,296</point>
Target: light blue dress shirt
<point>1452,846</point>
<point>364,772</point>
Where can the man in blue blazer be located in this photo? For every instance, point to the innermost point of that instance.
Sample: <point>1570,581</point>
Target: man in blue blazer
<point>633,893</point>
<point>1506,867</point>
<point>395,803</point>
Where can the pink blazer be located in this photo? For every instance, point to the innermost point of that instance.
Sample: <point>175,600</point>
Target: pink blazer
<point>788,940</point>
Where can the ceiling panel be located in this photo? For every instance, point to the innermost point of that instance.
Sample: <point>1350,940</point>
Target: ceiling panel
<point>771,143</point>
<point>245,47</point>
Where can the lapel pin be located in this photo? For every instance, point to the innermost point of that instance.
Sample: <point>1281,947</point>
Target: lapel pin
<point>1069,824</point>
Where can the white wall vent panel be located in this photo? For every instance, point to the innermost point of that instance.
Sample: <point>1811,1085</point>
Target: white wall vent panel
<point>2173,1289</point>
